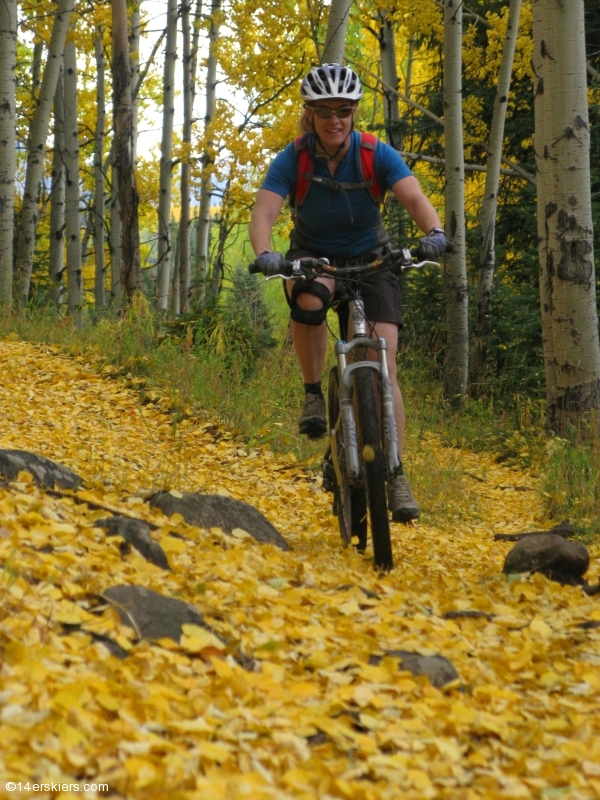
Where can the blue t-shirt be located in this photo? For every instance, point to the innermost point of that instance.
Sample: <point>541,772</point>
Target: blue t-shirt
<point>331,222</point>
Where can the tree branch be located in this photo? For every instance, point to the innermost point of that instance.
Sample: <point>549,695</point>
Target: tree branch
<point>149,63</point>
<point>515,172</point>
<point>591,71</point>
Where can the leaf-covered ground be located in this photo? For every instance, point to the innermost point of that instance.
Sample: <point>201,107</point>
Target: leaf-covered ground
<point>314,718</point>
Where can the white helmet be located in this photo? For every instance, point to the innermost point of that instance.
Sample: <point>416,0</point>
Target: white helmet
<point>331,82</point>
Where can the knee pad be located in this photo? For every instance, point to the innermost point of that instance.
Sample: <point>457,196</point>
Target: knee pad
<point>307,317</point>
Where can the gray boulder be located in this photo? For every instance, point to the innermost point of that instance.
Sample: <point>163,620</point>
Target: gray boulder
<point>152,615</point>
<point>47,474</point>
<point>438,669</point>
<point>555,557</point>
<point>214,511</point>
<point>135,532</point>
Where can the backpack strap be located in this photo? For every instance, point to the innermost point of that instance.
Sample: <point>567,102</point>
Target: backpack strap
<point>305,169</point>
<point>368,144</point>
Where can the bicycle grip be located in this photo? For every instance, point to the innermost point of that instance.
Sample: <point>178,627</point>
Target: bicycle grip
<point>449,249</point>
<point>253,268</point>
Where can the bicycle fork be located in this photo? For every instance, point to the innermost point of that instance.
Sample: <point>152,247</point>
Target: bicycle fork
<point>390,431</point>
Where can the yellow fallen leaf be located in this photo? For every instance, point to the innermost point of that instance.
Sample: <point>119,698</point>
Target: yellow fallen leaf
<point>239,533</point>
<point>172,544</point>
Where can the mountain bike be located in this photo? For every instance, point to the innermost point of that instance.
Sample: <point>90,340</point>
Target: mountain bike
<point>362,454</point>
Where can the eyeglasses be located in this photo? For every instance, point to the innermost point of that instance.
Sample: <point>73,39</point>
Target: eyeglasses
<point>322,112</point>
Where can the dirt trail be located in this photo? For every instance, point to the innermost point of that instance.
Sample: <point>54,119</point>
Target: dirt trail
<point>317,720</point>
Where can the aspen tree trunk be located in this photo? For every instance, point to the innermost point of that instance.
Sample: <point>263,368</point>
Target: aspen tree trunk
<point>98,216</point>
<point>203,230</point>
<point>456,287</point>
<point>114,240</point>
<point>184,219</point>
<point>57,198</point>
<point>195,43</point>
<point>36,68</point>
<point>174,304</point>
<point>88,228</point>
<point>540,163</point>
<point>36,151</point>
<point>134,66</point>
<point>131,274</point>
<point>409,68</point>
<point>568,214</point>
<point>216,283</point>
<point>487,251</point>
<point>389,75</point>
<point>166,147</point>
<point>337,25</point>
<point>72,216</point>
<point>8,58</point>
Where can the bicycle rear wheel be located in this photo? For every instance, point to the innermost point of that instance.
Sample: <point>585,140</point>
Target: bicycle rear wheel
<point>350,502</point>
<point>373,466</point>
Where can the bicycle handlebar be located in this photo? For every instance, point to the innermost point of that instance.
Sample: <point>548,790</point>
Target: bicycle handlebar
<point>397,260</point>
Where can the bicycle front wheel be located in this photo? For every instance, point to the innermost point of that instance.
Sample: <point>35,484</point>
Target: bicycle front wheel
<point>373,465</point>
<point>350,502</point>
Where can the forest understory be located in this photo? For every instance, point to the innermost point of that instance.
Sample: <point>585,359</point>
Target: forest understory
<point>292,693</point>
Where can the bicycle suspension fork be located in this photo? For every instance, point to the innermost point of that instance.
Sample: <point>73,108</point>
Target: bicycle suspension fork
<point>361,339</point>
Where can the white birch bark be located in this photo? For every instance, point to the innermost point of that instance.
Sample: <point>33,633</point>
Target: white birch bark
<point>540,164</point>
<point>8,49</point>
<point>134,66</point>
<point>337,25</point>
<point>174,304</point>
<point>195,45</point>
<point>216,282</point>
<point>487,251</point>
<point>166,147</point>
<point>389,75</point>
<point>72,216</point>
<point>114,239</point>
<point>409,68</point>
<point>568,214</point>
<point>184,220</point>
<point>57,198</point>
<point>98,215</point>
<point>36,68</point>
<point>455,284</point>
<point>203,230</point>
<point>36,151</point>
<point>131,274</point>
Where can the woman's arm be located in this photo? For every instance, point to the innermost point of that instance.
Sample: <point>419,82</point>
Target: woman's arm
<point>266,210</point>
<point>409,194</point>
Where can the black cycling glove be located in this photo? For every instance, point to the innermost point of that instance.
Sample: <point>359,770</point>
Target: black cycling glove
<point>433,246</point>
<point>270,263</point>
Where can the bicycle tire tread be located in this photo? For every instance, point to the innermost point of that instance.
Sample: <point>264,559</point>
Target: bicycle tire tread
<point>352,521</point>
<point>369,433</point>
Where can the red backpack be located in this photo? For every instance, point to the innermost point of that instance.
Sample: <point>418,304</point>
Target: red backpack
<point>368,143</point>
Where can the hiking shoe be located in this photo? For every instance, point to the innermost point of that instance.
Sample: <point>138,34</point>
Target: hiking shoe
<point>401,503</point>
<point>312,421</point>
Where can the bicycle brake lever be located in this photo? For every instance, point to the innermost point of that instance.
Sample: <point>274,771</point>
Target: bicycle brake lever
<point>420,264</point>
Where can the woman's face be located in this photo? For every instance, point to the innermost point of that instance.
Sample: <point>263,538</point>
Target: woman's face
<point>333,131</point>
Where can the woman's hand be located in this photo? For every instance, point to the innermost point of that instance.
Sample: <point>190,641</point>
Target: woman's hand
<point>270,263</point>
<point>433,246</point>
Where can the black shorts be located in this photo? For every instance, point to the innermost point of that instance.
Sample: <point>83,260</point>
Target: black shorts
<point>380,292</point>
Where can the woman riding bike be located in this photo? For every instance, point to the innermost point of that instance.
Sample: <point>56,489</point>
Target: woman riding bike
<point>334,177</point>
